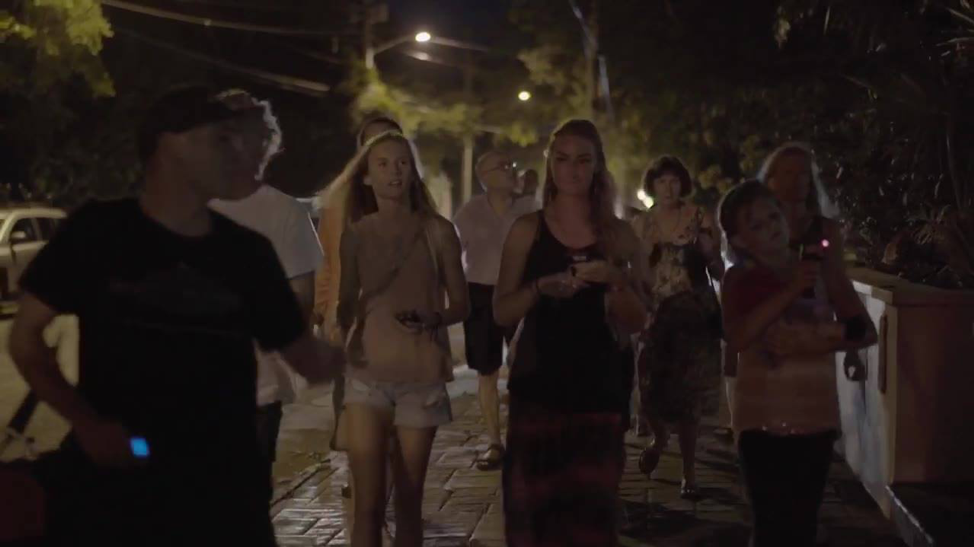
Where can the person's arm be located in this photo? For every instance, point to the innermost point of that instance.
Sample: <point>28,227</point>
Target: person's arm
<point>349,287</point>
<point>322,278</point>
<point>104,441</point>
<point>304,289</point>
<point>791,339</point>
<point>299,251</point>
<point>744,328</point>
<point>281,324</point>
<point>709,244</point>
<point>452,270</point>
<point>841,293</point>
<point>317,363</point>
<point>512,299</point>
<point>626,306</point>
<point>447,246</point>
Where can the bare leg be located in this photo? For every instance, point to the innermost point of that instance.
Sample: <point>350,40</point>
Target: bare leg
<point>367,455</point>
<point>490,405</point>
<point>658,427</point>
<point>410,468</point>
<point>688,449</point>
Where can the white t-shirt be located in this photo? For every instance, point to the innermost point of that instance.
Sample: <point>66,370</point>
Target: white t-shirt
<point>286,223</point>
<point>482,234</point>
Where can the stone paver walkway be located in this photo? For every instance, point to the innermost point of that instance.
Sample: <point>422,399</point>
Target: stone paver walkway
<point>463,505</point>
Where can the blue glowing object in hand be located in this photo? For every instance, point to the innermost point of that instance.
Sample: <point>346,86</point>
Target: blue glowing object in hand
<point>140,448</point>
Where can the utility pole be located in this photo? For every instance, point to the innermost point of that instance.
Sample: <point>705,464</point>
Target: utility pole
<point>590,43</point>
<point>468,136</point>
<point>367,34</point>
<point>591,57</point>
<point>371,14</point>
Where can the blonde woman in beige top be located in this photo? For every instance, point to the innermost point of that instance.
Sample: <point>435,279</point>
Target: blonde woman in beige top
<point>779,318</point>
<point>400,265</point>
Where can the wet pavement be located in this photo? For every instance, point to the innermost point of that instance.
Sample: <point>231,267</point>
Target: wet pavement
<point>463,505</point>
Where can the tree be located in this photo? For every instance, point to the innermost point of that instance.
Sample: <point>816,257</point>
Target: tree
<point>50,60</point>
<point>902,175</point>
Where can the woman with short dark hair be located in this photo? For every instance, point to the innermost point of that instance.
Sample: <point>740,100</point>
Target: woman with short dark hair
<point>679,363</point>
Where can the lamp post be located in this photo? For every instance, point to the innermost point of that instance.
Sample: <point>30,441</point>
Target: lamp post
<point>371,51</point>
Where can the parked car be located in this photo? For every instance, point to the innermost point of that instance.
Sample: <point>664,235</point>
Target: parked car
<point>24,230</point>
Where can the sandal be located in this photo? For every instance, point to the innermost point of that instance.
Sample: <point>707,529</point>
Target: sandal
<point>486,463</point>
<point>689,491</point>
<point>648,460</point>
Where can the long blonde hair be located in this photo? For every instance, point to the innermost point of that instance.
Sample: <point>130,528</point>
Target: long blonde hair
<point>601,193</point>
<point>817,201</point>
<point>349,196</point>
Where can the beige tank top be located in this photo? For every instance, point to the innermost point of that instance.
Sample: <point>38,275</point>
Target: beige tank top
<point>392,352</point>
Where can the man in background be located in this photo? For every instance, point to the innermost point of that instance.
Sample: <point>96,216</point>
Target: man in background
<point>286,223</point>
<point>483,223</point>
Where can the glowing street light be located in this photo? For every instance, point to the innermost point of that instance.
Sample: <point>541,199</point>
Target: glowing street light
<point>646,199</point>
<point>370,52</point>
<point>524,96</point>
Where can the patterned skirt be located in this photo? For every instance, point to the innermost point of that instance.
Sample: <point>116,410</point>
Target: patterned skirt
<point>561,477</point>
<point>679,363</point>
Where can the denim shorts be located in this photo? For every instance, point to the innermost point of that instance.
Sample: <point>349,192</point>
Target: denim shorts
<point>413,404</point>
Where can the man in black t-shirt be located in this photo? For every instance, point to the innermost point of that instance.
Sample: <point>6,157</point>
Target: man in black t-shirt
<point>170,297</point>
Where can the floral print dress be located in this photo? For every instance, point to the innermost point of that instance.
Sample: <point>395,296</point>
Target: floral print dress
<point>679,361</point>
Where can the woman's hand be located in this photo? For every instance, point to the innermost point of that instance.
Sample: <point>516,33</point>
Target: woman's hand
<point>806,275</point>
<point>786,340</point>
<point>561,285</point>
<point>599,271</point>
<point>418,321</point>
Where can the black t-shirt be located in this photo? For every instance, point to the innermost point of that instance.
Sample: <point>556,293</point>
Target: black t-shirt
<point>168,324</point>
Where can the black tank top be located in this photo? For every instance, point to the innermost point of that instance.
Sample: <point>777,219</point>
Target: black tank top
<point>578,365</point>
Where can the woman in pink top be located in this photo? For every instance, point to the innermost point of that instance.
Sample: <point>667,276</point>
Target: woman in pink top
<point>779,318</point>
<point>400,259</point>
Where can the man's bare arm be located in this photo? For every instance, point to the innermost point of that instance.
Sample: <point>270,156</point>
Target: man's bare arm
<point>37,362</point>
<point>106,442</point>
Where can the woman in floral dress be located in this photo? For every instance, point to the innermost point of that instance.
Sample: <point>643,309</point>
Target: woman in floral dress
<point>679,363</point>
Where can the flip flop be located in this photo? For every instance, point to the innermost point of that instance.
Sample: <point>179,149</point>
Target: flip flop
<point>648,460</point>
<point>486,463</point>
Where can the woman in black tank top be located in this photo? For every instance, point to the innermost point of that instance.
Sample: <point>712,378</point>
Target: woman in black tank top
<point>565,277</point>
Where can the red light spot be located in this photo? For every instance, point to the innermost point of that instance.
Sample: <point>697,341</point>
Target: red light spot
<point>825,244</point>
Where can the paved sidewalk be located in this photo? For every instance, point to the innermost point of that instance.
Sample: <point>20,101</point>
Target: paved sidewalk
<point>463,505</point>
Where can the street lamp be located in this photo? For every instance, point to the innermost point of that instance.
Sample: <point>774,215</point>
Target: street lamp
<point>370,52</point>
<point>524,96</point>
<point>646,199</point>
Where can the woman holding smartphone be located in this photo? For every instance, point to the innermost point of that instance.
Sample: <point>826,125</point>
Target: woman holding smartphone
<point>400,259</point>
<point>565,276</point>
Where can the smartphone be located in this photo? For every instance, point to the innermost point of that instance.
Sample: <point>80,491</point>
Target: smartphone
<point>407,318</point>
<point>805,254</point>
<point>140,447</point>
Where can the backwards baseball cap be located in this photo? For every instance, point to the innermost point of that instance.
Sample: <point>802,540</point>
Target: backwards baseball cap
<point>179,110</point>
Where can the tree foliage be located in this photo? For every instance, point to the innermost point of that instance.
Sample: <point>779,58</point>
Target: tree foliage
<point>881,90</point>
<point>50,61</point>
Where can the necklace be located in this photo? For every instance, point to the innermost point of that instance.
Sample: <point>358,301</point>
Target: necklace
<point>672,231</point>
